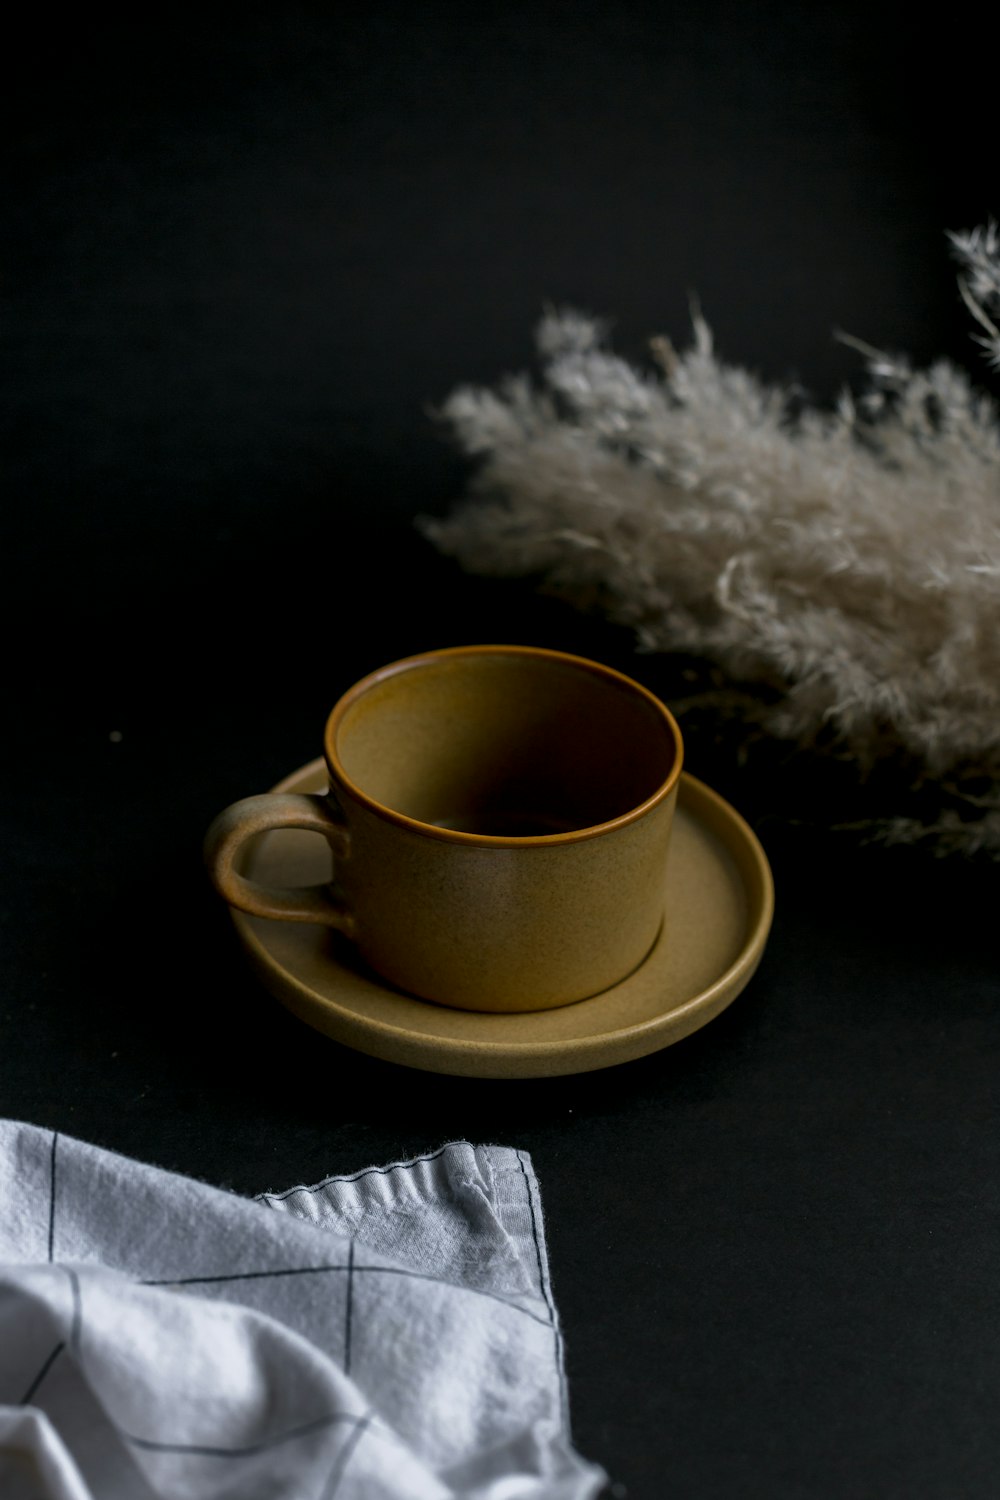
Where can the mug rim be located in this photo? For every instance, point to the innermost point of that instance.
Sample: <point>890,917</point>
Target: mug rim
<point>340,778</point>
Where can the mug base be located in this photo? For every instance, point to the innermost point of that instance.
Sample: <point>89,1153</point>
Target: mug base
<point>530,1005</point>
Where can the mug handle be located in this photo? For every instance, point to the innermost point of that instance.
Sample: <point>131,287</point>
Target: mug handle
<point>252,815</point>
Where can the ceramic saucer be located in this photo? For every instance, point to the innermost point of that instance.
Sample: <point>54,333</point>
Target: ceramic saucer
<point>719,897</point>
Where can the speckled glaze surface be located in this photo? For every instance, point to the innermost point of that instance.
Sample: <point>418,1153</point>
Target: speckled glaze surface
<point>719,897</point>
<point>500,819</point>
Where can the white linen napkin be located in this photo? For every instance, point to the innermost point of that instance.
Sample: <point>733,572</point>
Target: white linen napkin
<point>387,1334</point>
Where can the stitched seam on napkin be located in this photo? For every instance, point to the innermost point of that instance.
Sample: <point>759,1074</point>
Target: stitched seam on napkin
<point>396,1166</point>
<point>440,1212</point>
<point>520,1210</point>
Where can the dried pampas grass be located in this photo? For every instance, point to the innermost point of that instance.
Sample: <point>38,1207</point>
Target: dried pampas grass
<point>842,569</point>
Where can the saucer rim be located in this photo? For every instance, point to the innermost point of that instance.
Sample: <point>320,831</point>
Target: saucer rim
<point>524,1057</point>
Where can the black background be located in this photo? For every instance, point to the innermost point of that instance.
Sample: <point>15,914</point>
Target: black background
<point>246,253</point>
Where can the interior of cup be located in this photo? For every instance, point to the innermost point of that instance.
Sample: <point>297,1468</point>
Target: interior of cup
<point>503,744</point>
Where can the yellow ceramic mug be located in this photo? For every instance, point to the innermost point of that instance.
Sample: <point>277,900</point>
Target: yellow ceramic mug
<point>499,818</point>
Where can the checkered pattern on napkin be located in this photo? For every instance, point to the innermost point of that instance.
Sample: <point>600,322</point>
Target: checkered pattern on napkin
<point>387,1334</point>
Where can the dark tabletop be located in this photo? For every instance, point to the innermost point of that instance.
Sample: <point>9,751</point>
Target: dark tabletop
<point>245,260</point>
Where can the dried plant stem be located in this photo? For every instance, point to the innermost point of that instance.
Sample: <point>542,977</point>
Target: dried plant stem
<point>841,568</point>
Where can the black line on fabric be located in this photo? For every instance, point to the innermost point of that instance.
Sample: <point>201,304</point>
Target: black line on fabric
<point>241,1276</point>
<point>553,1320</point>
<point>52,1194</point>
<point>353,1268</point>
<point>399,1166</point>
<point>46,1367</point>
<point>347,1313</point>
<point>476,1291</point>
<point>344,1457</point>
<point>204,1451</point>
<point>74,1338</point>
